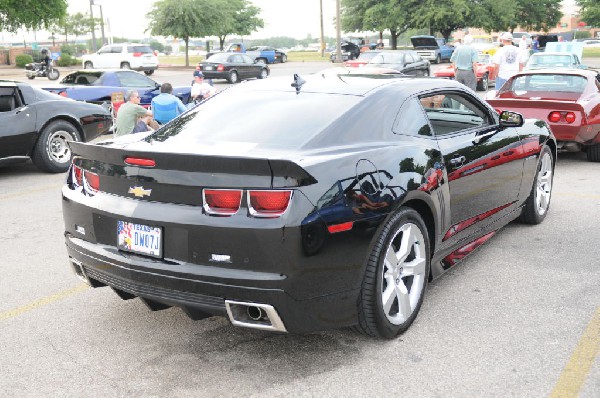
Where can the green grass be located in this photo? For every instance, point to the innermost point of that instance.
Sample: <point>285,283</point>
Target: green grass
<point>304,56</point>
<point>179,60</point>
<point>591,52</point>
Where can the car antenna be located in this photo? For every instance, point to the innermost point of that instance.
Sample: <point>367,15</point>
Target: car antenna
<point>298,82</point>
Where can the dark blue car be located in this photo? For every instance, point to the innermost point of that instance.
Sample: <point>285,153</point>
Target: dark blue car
<point>98,86</point>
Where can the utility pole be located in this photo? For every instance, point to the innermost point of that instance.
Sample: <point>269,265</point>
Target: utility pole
<point>102,25</point>
<point>338,28</point>
<point>322,32</point>
<point>93,26</point>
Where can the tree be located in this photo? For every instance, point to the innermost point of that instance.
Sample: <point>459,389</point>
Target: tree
<point>183,19</point>
<point>590,12</point>
<point>30,14</point>
<point>236,17</point>
<point>537,15</point>
<point>444,16</point>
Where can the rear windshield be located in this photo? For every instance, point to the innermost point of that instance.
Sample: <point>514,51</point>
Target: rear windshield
<point>388,58</point>
<point>220,57</point>
<point>367,56</point>
<point>140,49</point>
<point>550,60</point>
<point>548,82</point>
<point>259,119</point>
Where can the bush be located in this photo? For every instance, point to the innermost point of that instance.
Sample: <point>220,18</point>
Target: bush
<point>23,59</point>
<point>67,60</point>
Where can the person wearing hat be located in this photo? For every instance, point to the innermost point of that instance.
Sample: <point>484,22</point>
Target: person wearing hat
<point>200,89</point>
<point>508,60</point>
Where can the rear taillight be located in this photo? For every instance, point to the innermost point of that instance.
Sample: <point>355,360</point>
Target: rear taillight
<point>554,117</point>
<point>220,68</point>
<point>63,94</point>
<point>268,203</point>
<point>223,202</point>
<point>570,117</point>
<point>77,175</point>
<point>136,161</point>
<point>92,180</point>
<point>137,54</point>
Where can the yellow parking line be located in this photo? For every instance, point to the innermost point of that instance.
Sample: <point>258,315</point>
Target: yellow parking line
<point>43,301</point>
<point>575,372</point>
<point>30,191</point>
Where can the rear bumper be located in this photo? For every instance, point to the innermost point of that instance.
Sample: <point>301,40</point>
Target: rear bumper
<point>145,68</point>
<point>203,290</point>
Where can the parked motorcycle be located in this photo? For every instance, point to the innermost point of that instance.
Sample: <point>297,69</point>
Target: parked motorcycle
<point>37,69</point>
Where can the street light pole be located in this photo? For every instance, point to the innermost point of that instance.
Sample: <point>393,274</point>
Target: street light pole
<point>101,24</point>
<point>93,26</point>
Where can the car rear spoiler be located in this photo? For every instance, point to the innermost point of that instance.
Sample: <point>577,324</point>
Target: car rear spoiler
<point>283,173</point>
<point>536,104</point>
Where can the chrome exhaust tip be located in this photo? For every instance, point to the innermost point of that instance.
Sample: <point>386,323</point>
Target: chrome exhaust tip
<point>79,271</point>
<point>254,316</point>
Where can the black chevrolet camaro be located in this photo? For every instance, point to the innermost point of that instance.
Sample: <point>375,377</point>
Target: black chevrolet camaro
<point>331,202</point>
<point>37,124</point>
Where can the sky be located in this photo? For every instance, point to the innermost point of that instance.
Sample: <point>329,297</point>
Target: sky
<point>294,18</point>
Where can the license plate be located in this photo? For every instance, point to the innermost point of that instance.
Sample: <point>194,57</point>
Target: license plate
<point>138,238</point>
<point>208,68</point>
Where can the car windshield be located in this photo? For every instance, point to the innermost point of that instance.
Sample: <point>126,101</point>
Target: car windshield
<point>550,60</point>
<point>271,119</point>
<point>548,82</point>
<point>81,78</point>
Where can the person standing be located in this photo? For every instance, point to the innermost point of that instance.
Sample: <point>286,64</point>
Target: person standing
<point>508,60</point>
<point>166,106</point>
<point>535,44</point>
<point>130,113</point>
<point>464,59</point>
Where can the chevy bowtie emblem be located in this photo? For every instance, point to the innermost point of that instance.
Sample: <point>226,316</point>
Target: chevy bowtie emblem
<point>139,192</point>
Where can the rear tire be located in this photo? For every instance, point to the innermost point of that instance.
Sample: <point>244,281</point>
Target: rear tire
<point>88,65</point>
<point>148,72</point>
<point>51,152</point>
<point>125,65</point>
<point>593,153</point>
<point>283,59</point>
<point>233,77</point>
<point>396,276</point>
<point>263,73</point>
<point>438,59</point>
<point>31,77</point>
<point>538,202</point>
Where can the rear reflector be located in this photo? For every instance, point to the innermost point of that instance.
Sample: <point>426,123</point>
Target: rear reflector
<point>268,203</point>
<point>223,202</point>
<point>570,117</point>
<point>347,226</point>
<point>144,162</point>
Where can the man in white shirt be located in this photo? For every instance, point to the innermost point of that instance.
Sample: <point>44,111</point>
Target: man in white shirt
<point>508,60</point>
<point>200,89</point>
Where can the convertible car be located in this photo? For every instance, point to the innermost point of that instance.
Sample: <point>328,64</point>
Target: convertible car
<point>485,69</point>
<point>39,125</point>
<point>369,187</point>
<point>97,86</point>
<point>567,99</point>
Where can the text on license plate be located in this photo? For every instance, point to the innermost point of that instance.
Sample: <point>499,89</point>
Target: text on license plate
<point>208,68</point>
<point>139,238</point>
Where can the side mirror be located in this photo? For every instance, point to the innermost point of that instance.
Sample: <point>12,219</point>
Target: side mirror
<point>510,119</point>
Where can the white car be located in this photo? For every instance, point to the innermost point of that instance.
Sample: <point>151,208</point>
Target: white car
<point>134,56</point>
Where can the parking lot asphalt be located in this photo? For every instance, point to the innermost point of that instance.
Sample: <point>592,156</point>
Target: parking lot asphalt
<point>519,317</point>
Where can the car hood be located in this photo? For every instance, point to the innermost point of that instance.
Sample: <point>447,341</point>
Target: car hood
<point>424,42</point>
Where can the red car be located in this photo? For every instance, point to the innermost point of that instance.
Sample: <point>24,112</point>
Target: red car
<point>485,68</point>
<point>567,99</point>
<point>362,59</point>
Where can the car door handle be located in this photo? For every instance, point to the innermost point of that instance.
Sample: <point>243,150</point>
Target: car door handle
<point>483,137</point>
<point>457,160</point>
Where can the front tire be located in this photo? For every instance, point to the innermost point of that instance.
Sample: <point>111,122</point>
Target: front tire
<point>52,153</point>
<point>438,59</point>
<point>233,77</point>
<point>88,65</point>
<point>148,72</point>
<point>396,276</point>
<point>263,73</point>
<point>125,65</point>
<point>283,59</point>
<point>538,202</point>
<point>53,74</point>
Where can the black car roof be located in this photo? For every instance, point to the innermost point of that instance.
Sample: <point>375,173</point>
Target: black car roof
<point>360,85</point>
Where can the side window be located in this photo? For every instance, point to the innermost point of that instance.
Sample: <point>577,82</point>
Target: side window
<point>450,113</point>
<point>236,58</point>
<point>408,58</point>
<point>8,101</point>
<point>247,59</point>
<point>411,119</point>
<point>105,50</point>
